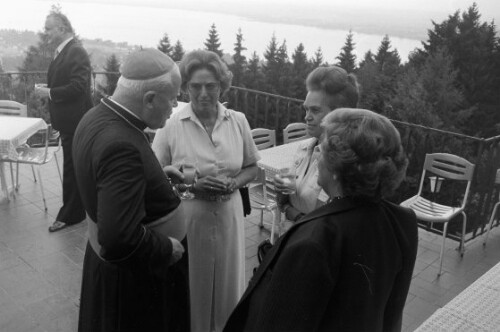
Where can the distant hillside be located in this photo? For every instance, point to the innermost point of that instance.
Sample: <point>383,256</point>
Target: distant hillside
<point>14,44</point>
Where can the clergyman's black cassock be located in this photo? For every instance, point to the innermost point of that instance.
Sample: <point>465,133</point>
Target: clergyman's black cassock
<point>123,188</point>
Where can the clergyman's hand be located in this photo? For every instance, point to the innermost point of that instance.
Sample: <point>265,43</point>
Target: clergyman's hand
<point>174,173</point>
<point>177,251</point>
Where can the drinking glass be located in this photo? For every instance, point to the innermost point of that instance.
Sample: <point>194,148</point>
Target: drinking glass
<point>223,172</point>
<point>189,171</point>
<point>287,175</point>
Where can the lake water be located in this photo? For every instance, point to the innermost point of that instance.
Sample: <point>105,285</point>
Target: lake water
<point>145,26</point>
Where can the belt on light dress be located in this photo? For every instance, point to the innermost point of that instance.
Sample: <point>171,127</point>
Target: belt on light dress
<point>211,197</point>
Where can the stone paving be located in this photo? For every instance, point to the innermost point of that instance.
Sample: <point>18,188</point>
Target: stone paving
<point>40,272</point>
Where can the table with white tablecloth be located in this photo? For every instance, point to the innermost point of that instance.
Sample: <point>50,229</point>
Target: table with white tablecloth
<point>477,308</point>
<point>278,157</point>
<point>14,131</point>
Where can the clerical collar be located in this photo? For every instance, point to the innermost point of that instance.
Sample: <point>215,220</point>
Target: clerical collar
<point>125,112</point>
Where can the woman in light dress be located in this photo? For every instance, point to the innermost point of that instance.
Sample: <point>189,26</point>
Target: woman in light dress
<point>219,141</point>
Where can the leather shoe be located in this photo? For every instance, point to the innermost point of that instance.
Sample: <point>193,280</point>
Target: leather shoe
<point>57,226</point>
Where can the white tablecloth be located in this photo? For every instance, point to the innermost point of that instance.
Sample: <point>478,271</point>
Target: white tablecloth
<point>14,131</point>
<point>477,308</point>
<point>278,157</point>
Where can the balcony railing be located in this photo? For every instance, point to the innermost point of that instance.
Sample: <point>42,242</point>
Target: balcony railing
<point>271,111</point>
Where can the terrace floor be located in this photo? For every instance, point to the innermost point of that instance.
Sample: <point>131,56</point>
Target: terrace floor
<point>40,272</point>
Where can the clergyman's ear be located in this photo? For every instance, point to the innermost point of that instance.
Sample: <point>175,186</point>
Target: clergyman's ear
<point>148,98</point>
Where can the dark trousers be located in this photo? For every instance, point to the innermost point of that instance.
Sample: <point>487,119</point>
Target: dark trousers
<point>72,211</point>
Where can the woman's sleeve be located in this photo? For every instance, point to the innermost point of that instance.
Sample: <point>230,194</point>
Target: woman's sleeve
<point>250,153</point>
<point>161,145</point>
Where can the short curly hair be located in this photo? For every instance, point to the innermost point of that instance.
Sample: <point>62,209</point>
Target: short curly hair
<point>202,59</point>
<point>342,87</point>
<point>364,149</point>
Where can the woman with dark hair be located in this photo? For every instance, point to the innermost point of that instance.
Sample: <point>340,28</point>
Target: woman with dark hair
<point>346,266</point>
<point>226,159</point>
<point>328,88</point>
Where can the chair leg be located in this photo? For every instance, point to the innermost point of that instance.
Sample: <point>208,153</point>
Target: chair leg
<point>17,176</point>
<point>261,225</point>
<point>3,182</point>
<point>33,171</point>
<point>41,188</point>
<point>58,167</point>
<point>462,241</point>
<point>14,189</point>
<point>272,226</point>
<point>491,223</point>
<point>445,228</point>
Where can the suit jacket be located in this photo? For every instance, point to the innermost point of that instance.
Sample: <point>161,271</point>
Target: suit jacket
<point>347,266</point>
<point>69,80</point>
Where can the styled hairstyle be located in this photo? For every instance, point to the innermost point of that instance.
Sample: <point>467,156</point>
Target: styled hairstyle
<point>62,20</point>
<point>342,87</point>
<point>364,149</point>
<point>202,59</point>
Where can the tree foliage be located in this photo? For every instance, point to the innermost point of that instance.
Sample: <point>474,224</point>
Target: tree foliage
<point>165,46</point>
<point>347,58</point>
<point>474,49</point>
<point>212,43</point>
<point>317,60</point>
<point>178,51</point>
<point>240,61</point>
<point>112,67</point>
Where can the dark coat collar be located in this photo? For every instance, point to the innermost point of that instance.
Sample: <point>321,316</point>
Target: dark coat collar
<point>334,207</point>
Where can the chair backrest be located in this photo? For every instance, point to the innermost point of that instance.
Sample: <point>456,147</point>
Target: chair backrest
<point>448,166</point>
<point>264,138</point>
<point>269,192</point>
<point>13,108</point>
<point>294,132</point>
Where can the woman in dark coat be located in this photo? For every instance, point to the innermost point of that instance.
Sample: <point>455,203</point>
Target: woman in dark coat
<point>346,266</point>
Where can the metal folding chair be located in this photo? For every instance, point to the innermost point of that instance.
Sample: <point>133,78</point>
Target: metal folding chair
<point>294,132</point>
<point>449,167</point>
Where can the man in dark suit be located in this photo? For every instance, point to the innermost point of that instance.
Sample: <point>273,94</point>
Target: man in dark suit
<point>68,92</point>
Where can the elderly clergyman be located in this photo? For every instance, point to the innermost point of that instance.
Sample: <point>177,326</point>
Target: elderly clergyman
<point>134,278</point>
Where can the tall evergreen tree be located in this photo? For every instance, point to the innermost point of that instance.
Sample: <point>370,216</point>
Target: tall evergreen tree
<point>283,70</point>
<point>240,61</point>
<point>254,78</point>
<point>165,46</point>
<point>212,42</point>
<point>317,60</point>
<point>347,58</point>
<point>367,59</point>
<point>178,51</point>
<point>300,70</point>
<point>112,69</point>
<point>270,68</point>
<point>384,52</point>
<point>474,48</point>
<point>428,95</point>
